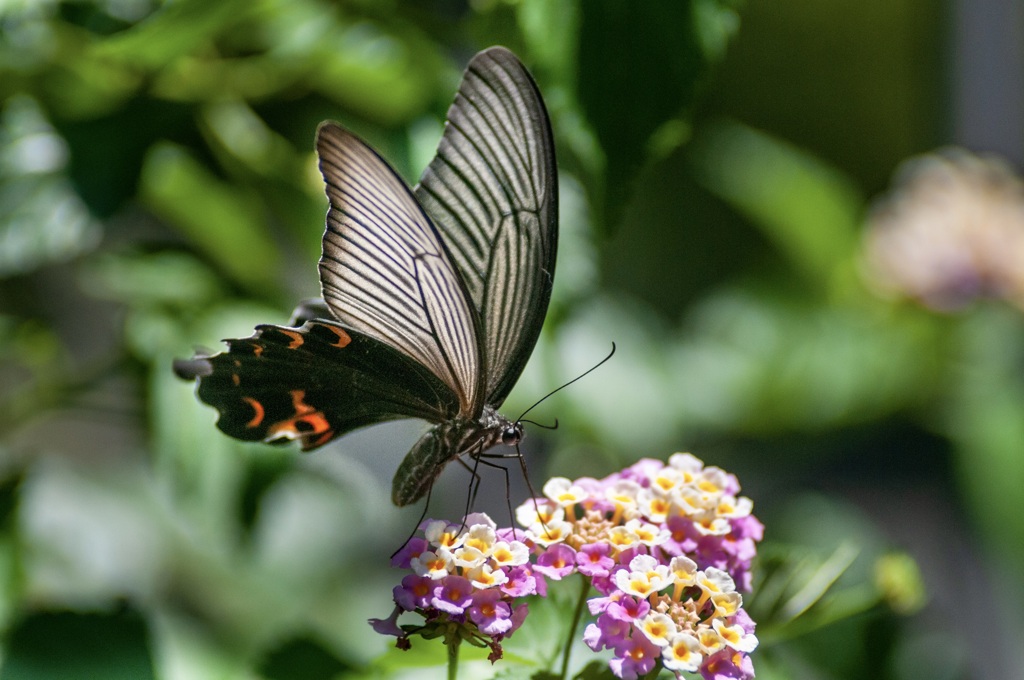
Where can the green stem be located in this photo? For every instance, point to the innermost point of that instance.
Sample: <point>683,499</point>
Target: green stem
<point>452,643</point>
<point>577,616</point>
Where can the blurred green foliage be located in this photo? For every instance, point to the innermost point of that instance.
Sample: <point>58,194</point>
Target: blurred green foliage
<point>158,189</point>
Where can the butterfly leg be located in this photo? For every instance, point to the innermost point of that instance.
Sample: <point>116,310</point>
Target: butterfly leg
<point>476,453</point>
<point>474,483</point>
<point>508,487</point>
<point>526,476</point>
<point>419,523</point>
<point>480,458</point>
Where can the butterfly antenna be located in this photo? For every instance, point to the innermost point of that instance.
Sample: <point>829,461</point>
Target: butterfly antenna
<point>540,425</point>
<point>557,389</point>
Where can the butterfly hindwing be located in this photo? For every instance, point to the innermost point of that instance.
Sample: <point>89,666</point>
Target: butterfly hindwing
<point>492,193</point>
<point>313,383</point>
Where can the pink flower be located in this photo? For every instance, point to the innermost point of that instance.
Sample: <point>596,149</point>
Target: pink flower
<point>453,594</point>
<point>414,593</point>
<point>521,582</point>
<point>389,626</point>
<point>557,562</point>
<point>412,548</point>
<point>635,656</point>
<point>628,608</point>
<point>489,613</point>
<point>722,666</point>
<point>518,616</point>
<point>626,556</point>
<point>748,527</point>
<point>606,633</point>
<point>594,559</point>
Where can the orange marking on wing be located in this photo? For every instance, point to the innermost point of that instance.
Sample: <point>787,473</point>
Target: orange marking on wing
<point>299,403</point>
<point>297,338</point>
<point>235,379</point>
<point>315,422</point>
<point>322,439</point>
<point>258,408</point>
<point>343,337</point>
<point>257,350</point>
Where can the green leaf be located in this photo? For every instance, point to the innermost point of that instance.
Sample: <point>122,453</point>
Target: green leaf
<point>176,29</point>
<point>219,219</point>
<point>304,658</point>
<point>986,421</point>
<point>807,208</point>
<point>639,66</point>
<point>62,645</point>
<point>163,278</point>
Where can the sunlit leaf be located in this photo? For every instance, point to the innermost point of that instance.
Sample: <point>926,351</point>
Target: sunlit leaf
<point>374,73</point>
<point>151,279</point>
<point>42,219</point>
<point>221,221</point>
<point>637,71</point>
<point>176,29</point>
<point>808,209</point>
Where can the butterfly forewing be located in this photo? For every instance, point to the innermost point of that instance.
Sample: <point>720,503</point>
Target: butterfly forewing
<point>384,271</point>
<point>492,192</point>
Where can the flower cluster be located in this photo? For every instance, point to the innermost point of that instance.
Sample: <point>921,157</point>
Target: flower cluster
<point>665,547</point>
<point>950,232</point>
<point>464,582</point>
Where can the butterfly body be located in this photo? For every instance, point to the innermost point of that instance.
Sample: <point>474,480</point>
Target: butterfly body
<point>445,442</point>
<point>433,297</point>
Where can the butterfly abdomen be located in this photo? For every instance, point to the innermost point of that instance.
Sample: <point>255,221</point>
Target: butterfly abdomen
<point>442,444</point>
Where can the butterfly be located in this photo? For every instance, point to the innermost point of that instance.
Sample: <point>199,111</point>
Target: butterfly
<point>433,297</point>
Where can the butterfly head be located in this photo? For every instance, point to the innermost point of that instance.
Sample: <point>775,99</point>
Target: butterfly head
<point>512,434</point>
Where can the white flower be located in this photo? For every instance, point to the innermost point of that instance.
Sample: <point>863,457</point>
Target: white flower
<point>485,577</point>
<point>654,505</point>
<point>442,534</point>
<point>690,501</point>
<point>539,510</point>
<point>666,481</point>
<point>551,532</point>
<point>710,640</point>
<point>480,537</point>
<point>683,571</point>
<point>510,554</point>
<point>734,508</point>
<point>644,576</point>
<point>561,490</point>
<point>435,565</point>
<point>708,524</point>
<point>712,481</point>
<point>659,628</point>
<point>735,636</point>
<point>714,581</point>
<point>475,518</point>
<point>623,492</point>
<point>727,604</point>
<point>468,557</point>
<point>621,537</point>
<point>647,533</point>
<point>682,653</point>
<point>687,463</point>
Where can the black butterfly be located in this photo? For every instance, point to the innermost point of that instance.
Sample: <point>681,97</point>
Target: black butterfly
<point>433,298</point>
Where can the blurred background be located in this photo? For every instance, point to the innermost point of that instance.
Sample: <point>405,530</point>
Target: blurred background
<point>759,204</point>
